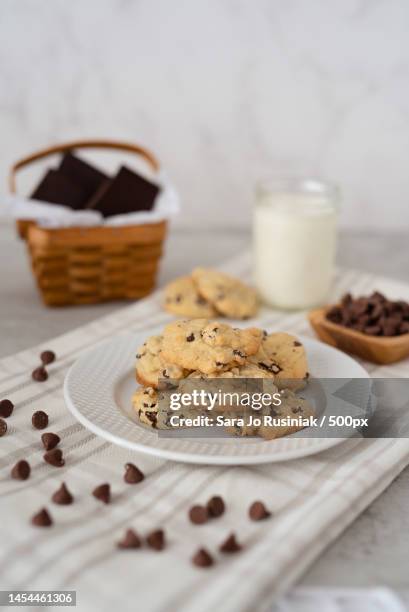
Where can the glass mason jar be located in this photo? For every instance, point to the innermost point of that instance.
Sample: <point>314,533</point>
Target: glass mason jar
<point>295,228</point>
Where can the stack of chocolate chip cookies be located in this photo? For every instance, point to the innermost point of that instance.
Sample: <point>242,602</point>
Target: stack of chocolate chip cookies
<point>208,293</point>
<point>200,348</point>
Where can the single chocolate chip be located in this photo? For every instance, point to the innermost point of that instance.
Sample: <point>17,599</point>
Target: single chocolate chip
<point>202,558</point>
<point>42,519</point>
<point>54,457</point>
<point>21,471</point>
<point>258,511</point>
<point>239,353</point>
<point>190,338</point>
<point>50,440</point>
<point>40,419</point>
<point>3,428</point>
<point>133,475</point>
<point>215,506</point>
<point>230,545</point>
<point>47,357</point>
<point>296,343</point>
<point>39,374</point>
<point>62,496</point>
<point>103,493</point>
<point>6,408</point>
<point>156,539</point>
<point>198,514</point>
<point>130,540</point>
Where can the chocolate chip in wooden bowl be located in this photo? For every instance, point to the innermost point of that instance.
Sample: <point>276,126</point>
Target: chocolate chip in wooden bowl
<point>50,440</point>
<point>258,511</point>
<point>133,474</point>
<point>103,493</point>
<point>42,519</point>
<point>230,545</point>
<point>40,419</point>
<point>62,496</point>
<point>130,540</point>
<point>198,515</point>
<point>3,428</point>
<point>6,408</point>
<point>215,506</point>
<point>39,374</point>
<point>47,357</point>
<point>156,539</point>
<point>21,471</point>
<point>54,457</point>
<point>202,558</point>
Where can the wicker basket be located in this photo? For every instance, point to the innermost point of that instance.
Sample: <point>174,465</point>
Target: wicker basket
<point>95,264</point>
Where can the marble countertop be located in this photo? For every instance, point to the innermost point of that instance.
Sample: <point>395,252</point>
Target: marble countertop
<point>374,551</point>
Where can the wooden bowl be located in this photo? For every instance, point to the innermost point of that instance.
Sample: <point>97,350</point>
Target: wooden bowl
<point>382,350</point>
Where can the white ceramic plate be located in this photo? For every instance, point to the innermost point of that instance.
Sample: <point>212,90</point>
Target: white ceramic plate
<point>99,386</point>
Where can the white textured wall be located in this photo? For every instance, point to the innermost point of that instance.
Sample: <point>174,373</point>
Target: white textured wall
<point>224,91</point>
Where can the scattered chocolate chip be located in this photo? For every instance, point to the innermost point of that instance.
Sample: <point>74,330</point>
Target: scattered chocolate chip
<point>39,374</point>
<point>133,474</point>
<point>215,506</point>
<point>198,514</point>
<point>50,440</point>
<point>42,519</point>
<point>40,419</point>
<point>21,471</point>
<point>103,493</point>
<point>190,338</point>
<point>230,545</point>
<point>239,353</point>
<point>258,511</point>
<point>47,357</point>
<point>130,540</point>
<point>54,457</point>
<point>202,558</point>
<point>6,408</point>
<point>3,428</point>
<point>62,496</point>
<point>156,539</point>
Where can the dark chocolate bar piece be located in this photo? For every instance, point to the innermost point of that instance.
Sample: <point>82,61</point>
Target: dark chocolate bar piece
<point>56,188</point>
<point>127,192</point>
<point>83,174</point>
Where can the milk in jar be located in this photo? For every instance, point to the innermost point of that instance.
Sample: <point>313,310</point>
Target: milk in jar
<point>295,226</point>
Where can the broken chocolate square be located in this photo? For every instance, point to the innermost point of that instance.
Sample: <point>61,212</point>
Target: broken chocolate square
<point>127,192</point>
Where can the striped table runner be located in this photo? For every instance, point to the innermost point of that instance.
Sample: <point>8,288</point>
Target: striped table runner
<point>313,499</point>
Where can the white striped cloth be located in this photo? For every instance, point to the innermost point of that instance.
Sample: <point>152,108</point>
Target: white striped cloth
<point>313,499</point>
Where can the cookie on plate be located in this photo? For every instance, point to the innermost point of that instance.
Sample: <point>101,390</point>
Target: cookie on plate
<point>145,404</point>
<point>150,365</point>
<point>292,411</point>
<point>228,295</point>
<point>283,355</point>
<point>183,299</point>
<point>208,347</point>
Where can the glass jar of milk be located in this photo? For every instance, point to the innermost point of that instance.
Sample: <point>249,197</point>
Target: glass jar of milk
<point>295,226</point>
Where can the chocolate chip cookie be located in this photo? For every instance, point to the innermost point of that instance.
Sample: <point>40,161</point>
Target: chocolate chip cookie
<point>228,295</point>
<point>291,412</point>
<point>284,356</point>
<point>145,404</point>
<point>183,299</point>
<point>208,347</point>
<point>151,366</point>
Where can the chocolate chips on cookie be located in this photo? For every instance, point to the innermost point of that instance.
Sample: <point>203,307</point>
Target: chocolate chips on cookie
<point>374,315</point>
